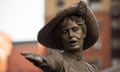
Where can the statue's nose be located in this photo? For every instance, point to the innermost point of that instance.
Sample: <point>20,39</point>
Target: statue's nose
<point>71,34</point>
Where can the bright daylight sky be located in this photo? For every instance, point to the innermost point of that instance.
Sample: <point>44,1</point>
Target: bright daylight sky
<point>22,19</point>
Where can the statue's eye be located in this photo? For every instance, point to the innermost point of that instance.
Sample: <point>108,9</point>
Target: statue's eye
<point>64,31</point>
<point>75,29</point>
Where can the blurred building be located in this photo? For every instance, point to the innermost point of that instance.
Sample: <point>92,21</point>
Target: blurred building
<point>115,15</point>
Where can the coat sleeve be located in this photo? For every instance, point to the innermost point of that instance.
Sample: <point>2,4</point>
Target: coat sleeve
<point>52,61</point>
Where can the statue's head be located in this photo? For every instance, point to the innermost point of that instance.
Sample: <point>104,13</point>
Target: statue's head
<point>73,28</point>
<point>72,32</point>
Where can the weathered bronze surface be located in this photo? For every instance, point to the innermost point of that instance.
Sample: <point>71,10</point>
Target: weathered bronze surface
<point>67,35</point>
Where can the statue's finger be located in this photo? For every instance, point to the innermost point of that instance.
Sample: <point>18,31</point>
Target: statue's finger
<point>26,53</point>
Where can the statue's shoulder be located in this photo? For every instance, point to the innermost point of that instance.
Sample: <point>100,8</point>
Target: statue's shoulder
<point>55,53</point>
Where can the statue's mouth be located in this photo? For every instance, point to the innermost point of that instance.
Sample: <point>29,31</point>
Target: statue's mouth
<point>73,43</point>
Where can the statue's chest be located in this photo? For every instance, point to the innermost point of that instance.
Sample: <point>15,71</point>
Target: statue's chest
<point>74,66</point>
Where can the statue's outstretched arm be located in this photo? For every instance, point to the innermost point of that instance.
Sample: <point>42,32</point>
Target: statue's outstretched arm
<point>36,59</point>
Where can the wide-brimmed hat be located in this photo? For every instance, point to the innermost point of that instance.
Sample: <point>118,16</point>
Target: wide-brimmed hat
<point>47,37</point>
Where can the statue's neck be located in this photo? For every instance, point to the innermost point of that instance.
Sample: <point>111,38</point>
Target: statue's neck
<point>74,54</point>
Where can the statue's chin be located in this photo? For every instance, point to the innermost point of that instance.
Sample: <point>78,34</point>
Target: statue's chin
<point>72,49</point>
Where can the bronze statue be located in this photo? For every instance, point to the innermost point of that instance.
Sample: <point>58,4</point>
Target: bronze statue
<point>67,35</point>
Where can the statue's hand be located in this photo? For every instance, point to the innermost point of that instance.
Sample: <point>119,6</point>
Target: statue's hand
<point>36,59</point>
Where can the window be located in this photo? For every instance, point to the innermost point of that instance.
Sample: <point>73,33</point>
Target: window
<point>60,4</point>
<point>116,43</point>
<point>115,24</point>
<point>95,4</point>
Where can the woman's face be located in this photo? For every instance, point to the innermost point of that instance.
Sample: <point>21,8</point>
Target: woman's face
<point>72,35</point>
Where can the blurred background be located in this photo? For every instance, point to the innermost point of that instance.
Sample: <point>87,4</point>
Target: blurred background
<point>20,21</point>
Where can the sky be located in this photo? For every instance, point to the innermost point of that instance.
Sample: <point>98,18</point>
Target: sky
<point>22,19</point>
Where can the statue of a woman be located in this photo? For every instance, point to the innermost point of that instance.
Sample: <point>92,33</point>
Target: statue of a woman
<point>71,32</point>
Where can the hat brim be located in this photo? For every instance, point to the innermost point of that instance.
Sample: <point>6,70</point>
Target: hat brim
<point>46,35</point>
